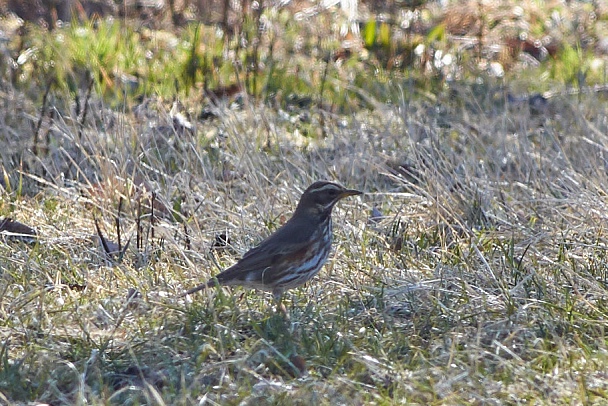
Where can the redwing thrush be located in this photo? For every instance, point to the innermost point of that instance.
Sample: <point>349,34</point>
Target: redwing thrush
<point>295,252</point>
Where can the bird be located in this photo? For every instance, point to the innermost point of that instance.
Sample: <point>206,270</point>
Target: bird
<point>294,253</point>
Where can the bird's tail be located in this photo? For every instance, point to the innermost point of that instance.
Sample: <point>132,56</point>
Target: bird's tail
<point>210,284</point>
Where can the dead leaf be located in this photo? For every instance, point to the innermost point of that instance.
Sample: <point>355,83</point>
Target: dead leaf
<point>15,230</point>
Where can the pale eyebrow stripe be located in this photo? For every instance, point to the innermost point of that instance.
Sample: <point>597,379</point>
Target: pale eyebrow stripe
<point>328,186</point>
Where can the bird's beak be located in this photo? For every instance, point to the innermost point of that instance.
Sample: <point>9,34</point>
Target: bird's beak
<point>350,192</point>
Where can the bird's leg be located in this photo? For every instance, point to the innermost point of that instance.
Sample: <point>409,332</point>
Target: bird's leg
<point>278,298</point>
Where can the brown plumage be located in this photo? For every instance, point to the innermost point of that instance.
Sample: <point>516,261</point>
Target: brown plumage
<point>295,252</point>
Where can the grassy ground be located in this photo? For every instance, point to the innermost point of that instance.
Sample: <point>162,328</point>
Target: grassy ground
<point>473,270</point>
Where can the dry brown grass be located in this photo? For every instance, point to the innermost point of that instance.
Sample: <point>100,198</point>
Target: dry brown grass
<point>483,282</point>
<point>473,270</point>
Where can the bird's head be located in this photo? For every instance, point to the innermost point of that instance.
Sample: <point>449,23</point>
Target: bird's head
<point>321,196</point>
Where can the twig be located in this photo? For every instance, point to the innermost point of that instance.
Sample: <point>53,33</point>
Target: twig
<point>42,110</point>
<point>85,108</point>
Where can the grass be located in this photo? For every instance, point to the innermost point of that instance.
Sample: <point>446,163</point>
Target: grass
<point>483,282</point>
<point>473,270</point>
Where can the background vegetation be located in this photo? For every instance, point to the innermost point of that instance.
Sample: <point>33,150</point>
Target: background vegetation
<point>145,148</point>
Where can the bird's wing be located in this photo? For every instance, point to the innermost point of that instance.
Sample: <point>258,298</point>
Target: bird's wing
<point>258,263</point>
